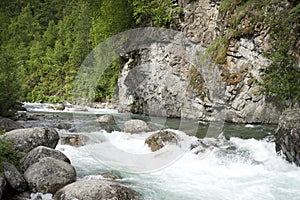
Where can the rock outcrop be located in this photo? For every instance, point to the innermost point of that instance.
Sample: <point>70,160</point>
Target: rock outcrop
<point>177,79</point>
<point>160,139</point>
<point>41,152</point>
<point>27,139</point>
<point>49,175</point>
<point>136,126</point>
<point>8,124</point>
<point>14,178</point>
<point>288,135</point>
<point>95,189</point>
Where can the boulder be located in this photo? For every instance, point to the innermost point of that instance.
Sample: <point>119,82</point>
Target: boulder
<point>136,126</point>
<point>95,189</point>
<point>41,152</point>
<point>49,175</point>
<point>160,139</point>
<point>14,178</point>
<point>27,139</point>
<point>8,124</point>
<point>288,135</point>
<point>73,139</point>
<point>2,186</point>
<point>105,119</point>
<point>59,106</point>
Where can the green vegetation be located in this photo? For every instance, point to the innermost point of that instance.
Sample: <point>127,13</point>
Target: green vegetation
<point>155,12</point>
<point>43,43</point>
<point>245,18</point>
<point>8,153</point>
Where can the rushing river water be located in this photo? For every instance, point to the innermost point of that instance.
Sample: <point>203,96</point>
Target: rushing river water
<point>221,167</point>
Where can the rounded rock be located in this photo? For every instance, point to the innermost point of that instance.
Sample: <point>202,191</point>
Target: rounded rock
<point>41,152</point>
<point>95,189</point>
<point>14,178</point>
<point>136,126</point>
<point>49,175</point>
<point>160,139</point>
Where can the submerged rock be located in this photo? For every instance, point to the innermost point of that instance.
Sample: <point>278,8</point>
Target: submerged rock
<point>27,139</point>
<point>160,139</point>
<point>59,106</point>
<point>136,126</point>
<point>95,189</point>
<point>8,124</point>
<point>73,139</point>
<point>49,175</point>
<point>14,177</point>
<point>288,136</point>
<point>41,152</point>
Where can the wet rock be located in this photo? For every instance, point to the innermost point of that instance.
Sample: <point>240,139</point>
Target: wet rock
<point>160,139</point>
<point>110,175</point>
<point>49,175</point>
<point>73,139</point>
<point>8,124</point>
<point>95,189</point>
<point>41,152</point>
<point>136,126</point>
<point>105,119</point>
<point>64,126</point>
<point>2,186</point>
<point>27,139</point>
<point>13,177</point>
<point>288,135</point>
<point>59,106</point>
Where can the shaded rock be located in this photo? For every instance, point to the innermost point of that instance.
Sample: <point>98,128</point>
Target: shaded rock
<point>59,106</point>
<point>41,152</point>
<point>160,139</point>
<point>2,186</point>
<point>136,126</point>
<point>288,135</point>
<point>73,139</point>
<point>8,124</point>
<point>27,139</point>
<point>14,178</point>
<point>95,189</point>
<point>64,126</point>
<point>110,175</point>
<point>105,119</point>
<point>49,175</point>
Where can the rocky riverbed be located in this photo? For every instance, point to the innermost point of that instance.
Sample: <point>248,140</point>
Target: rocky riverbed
<point>90,154</point>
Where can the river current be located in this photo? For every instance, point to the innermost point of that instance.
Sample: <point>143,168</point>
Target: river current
<point>240,162</point>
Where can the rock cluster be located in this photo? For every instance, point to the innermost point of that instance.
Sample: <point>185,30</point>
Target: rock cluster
<point>288,135</point>
<point>46,170</point>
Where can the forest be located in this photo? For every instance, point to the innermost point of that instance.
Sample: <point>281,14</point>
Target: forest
<point>43,43</point>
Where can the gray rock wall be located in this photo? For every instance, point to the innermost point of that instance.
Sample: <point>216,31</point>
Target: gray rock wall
<point>164,81</point>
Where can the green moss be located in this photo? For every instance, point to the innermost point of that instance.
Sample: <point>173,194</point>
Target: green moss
<point>217,50</point>
<point>197,82</point>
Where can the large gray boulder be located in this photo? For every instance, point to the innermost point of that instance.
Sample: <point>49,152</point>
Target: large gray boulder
<point>27,139</point>
<point>8,124</point>
<point>13,177</point>
<point>95,190</point>
<point>41,152</point>
<point>49,175</point>
<point>2,186</point>
<point>288,135</point>
<point>160,139</point>
<point>136,126</point>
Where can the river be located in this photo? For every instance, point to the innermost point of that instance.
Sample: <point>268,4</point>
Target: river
<point>238,162</point>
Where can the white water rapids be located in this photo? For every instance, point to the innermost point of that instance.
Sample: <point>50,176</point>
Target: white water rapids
<point>235,169</point>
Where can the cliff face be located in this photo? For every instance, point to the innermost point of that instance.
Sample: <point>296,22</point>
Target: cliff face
<point>197,88</point>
